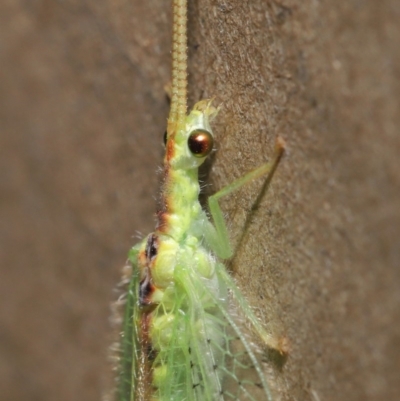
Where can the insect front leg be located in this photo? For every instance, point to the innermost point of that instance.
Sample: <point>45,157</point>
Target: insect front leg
<point>217,236</point>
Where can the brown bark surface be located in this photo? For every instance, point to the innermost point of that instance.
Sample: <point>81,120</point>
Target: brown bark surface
<point>82,116</point>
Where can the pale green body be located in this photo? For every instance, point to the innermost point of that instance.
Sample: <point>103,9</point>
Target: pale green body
<point>178,333</point>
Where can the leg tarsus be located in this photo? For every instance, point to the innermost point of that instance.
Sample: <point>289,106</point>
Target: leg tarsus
<point>277,344</point>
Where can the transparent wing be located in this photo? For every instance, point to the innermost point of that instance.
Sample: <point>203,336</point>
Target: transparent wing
<point>210,354</point>
<point>129,342</point>
<point>225,364</point>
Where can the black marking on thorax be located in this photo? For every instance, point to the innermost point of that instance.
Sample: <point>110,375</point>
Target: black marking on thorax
<point>151,248</point>
<point>146,287</point>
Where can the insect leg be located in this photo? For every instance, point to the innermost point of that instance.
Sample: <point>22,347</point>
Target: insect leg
<point>217,236</point>
<point>278,344</point>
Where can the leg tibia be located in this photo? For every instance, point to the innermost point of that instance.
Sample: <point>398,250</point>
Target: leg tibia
<point>218,238</point>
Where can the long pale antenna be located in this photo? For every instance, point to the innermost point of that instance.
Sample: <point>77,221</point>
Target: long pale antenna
<point>179,62</point>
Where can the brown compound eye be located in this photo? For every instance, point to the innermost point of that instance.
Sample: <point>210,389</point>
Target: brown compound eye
<point>200,143</point>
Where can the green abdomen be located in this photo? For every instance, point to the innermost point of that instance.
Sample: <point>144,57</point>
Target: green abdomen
<point>177,331</point>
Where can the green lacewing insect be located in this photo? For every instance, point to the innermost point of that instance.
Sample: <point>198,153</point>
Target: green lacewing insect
<point>181,336</point>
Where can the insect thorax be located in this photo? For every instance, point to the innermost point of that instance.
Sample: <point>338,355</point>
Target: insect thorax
<point>177,292</point>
